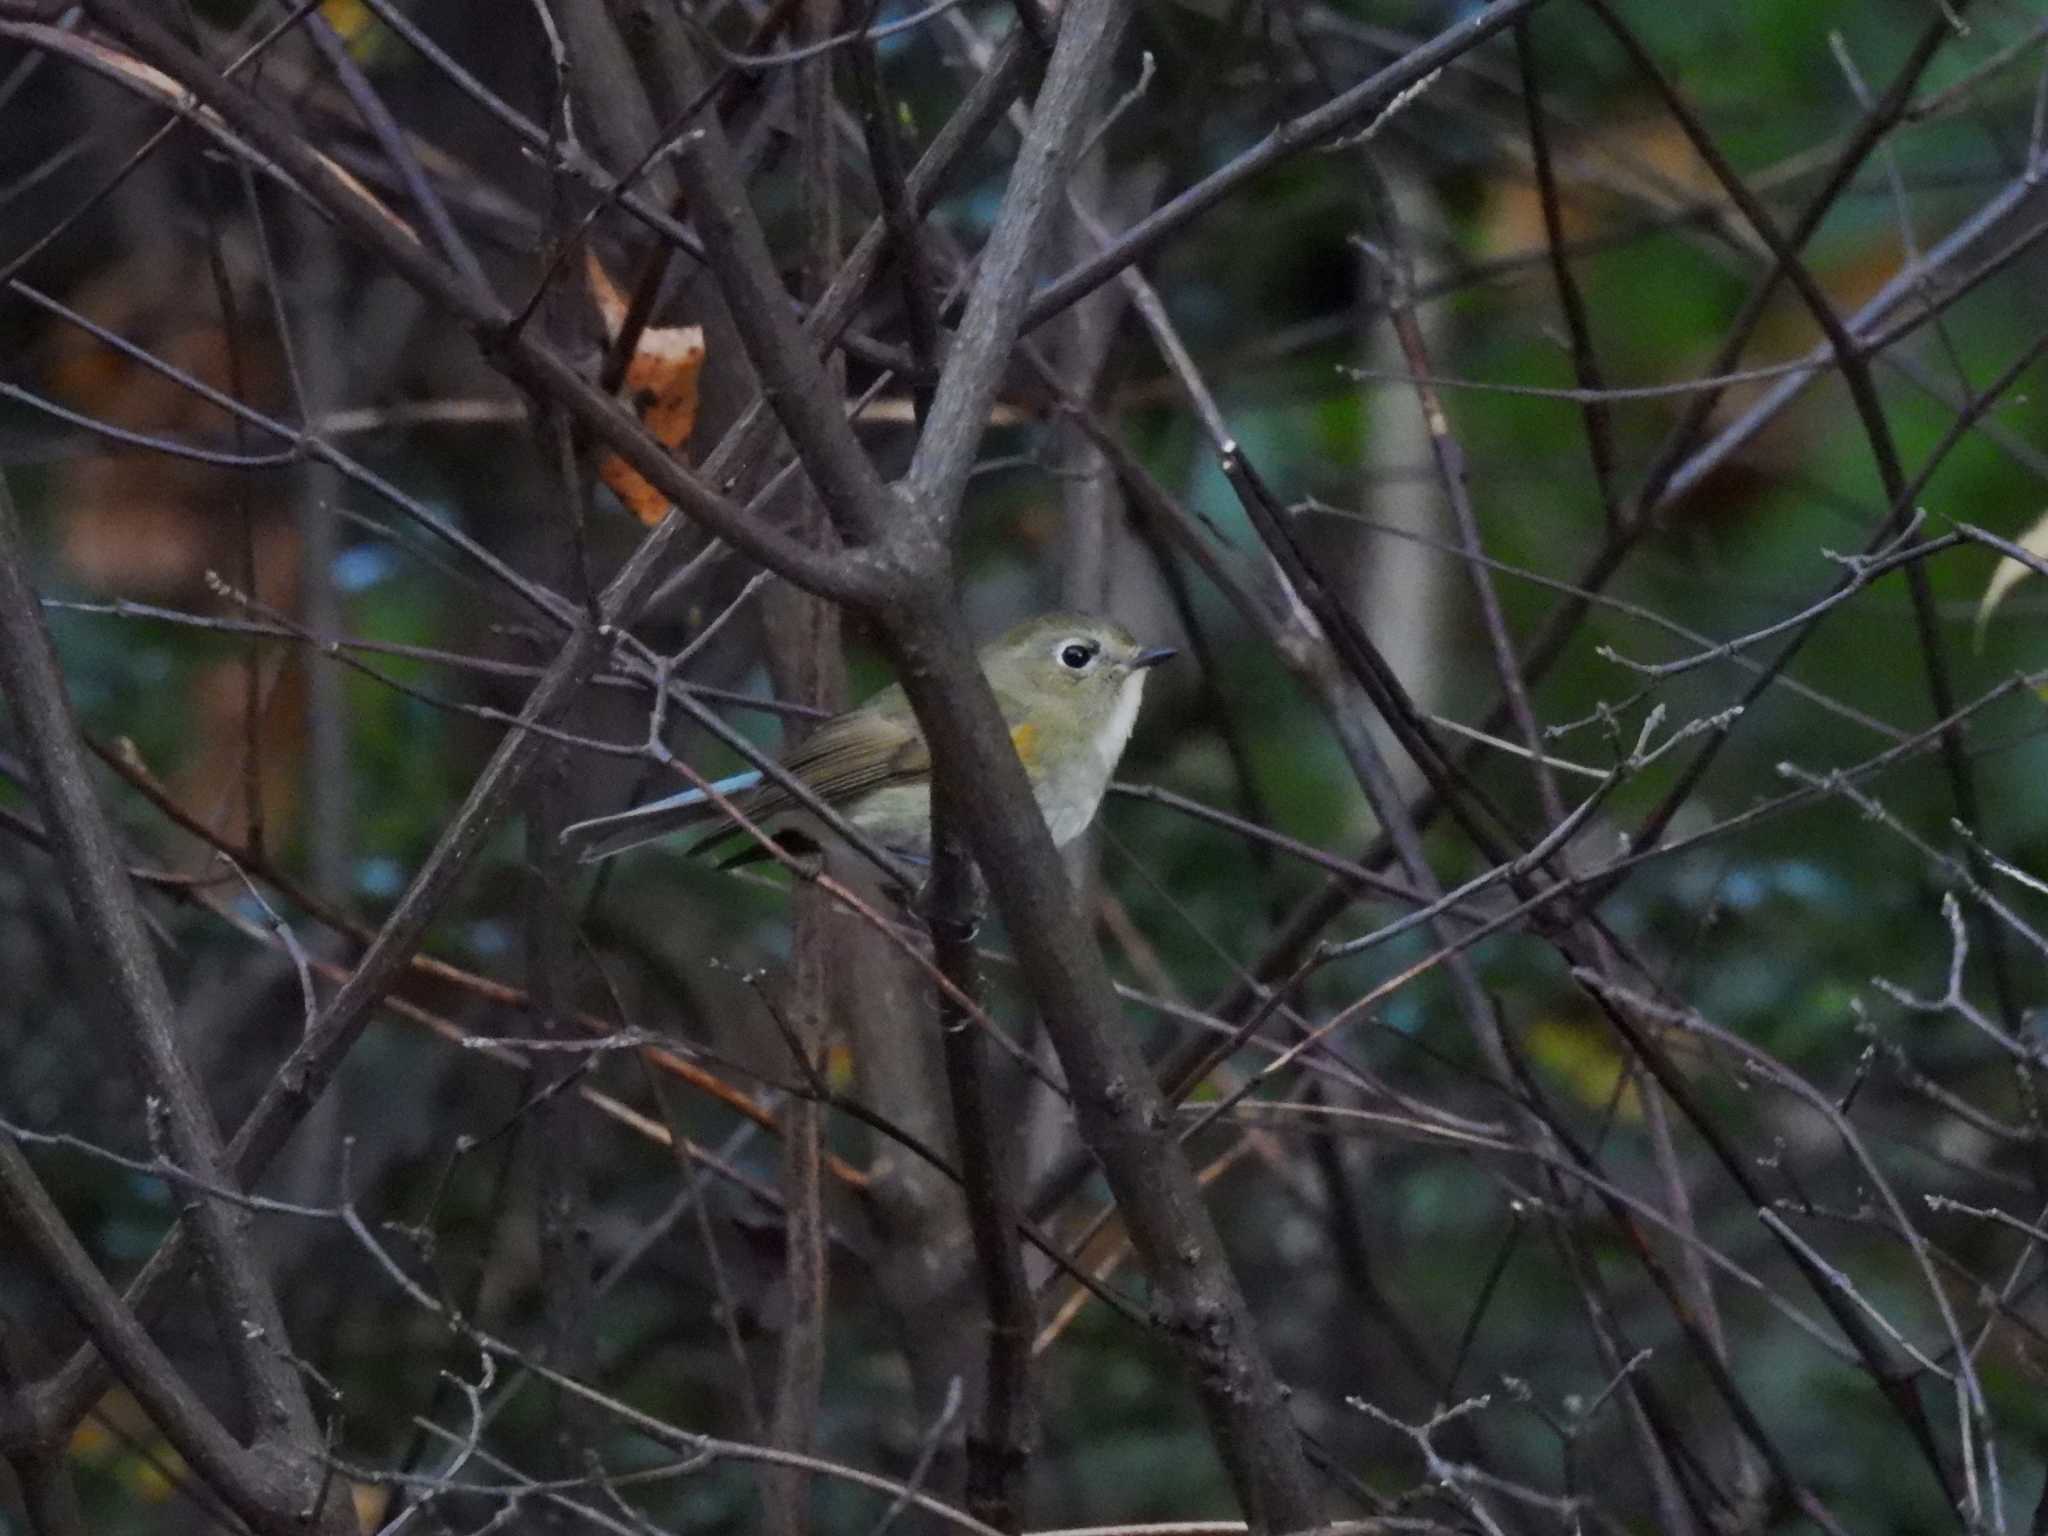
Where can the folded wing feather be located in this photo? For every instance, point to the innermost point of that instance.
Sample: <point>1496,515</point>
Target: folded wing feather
<point>841,760</point>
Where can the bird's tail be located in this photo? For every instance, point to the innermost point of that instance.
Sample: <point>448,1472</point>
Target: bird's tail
<point>602,836</point>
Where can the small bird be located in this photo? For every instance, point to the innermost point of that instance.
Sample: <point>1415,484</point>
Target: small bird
<point>1068,686</point>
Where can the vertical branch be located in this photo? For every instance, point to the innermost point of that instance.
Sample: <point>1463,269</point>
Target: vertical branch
<point>1122,1117</point>
<point>805,659</point>
<point>561,1192</point>
<point>920,1215</point>
<point>800,1361</point>
<point>561,1181</point>
<point>1000,1445</point>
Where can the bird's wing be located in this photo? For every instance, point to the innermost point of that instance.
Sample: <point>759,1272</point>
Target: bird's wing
<point>868,748</point>
<point>849,755</point>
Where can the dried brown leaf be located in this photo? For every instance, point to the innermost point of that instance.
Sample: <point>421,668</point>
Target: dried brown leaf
<point>662,382</point>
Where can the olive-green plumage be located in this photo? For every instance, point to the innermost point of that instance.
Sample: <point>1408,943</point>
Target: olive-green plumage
<point>1068,686</point>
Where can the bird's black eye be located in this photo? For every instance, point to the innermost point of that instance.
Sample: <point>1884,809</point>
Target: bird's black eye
<point>1076,654</point>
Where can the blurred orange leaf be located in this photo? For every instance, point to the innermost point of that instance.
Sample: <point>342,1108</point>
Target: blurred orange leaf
<point>662,378</point>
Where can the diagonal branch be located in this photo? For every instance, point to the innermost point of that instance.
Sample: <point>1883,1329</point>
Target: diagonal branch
<point>793,378</point>
<point>244,1306</point>
<point>995,310</point>
<point>846,575</point>
<point>1308,131</point>
<point>1856,374</point>
<point>233,1471</point>
<point>1120,1113</point>
<point>305,1075</point>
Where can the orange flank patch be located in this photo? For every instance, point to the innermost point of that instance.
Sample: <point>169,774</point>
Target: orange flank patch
<point>1025,739</point>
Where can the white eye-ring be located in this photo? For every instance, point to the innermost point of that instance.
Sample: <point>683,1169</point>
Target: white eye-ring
<point>1076,655</point>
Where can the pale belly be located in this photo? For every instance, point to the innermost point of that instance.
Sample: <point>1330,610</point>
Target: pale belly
<point>1068,801</point>
<point>899,817</point>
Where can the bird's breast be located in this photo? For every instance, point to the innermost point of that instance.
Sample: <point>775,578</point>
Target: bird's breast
<point>1071,788</point>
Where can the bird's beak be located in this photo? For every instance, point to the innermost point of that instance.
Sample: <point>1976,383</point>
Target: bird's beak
<point>1153,656</point>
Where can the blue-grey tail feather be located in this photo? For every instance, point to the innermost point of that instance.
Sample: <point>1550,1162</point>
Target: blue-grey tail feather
<point>602,836</point>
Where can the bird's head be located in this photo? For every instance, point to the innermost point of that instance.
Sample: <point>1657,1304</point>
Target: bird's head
<point>1071,678</point>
